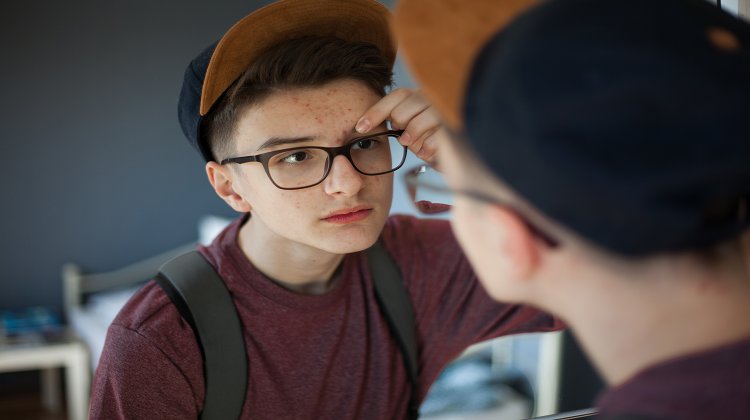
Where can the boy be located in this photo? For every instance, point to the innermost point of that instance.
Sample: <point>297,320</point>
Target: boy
<point>272,108</point>
<point>601,166</point>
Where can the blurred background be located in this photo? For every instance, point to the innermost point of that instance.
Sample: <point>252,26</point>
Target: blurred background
<point>96,171</point>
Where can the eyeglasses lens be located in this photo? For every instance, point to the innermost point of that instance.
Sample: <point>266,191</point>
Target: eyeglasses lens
<point>304,167</point>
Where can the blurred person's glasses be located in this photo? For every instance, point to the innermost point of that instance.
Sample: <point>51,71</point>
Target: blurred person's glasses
<point>431,195</point>
<point>303,167</point>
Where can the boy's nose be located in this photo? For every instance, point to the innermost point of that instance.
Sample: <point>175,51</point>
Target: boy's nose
<point>343,178</point>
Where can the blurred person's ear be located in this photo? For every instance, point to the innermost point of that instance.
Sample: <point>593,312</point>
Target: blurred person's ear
<point>224,183</point>
<point>517,247</point>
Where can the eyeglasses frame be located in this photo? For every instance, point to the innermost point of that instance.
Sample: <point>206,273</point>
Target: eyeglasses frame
<point>411,180</point>
<point>332,152</point>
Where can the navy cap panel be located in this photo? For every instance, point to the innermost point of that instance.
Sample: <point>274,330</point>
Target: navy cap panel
<point>619,119</point>
<point>188,107</point>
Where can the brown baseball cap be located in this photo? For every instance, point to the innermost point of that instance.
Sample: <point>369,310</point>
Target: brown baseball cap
<point>440,44</point>
<point>351,20</point>
<point>214,70</point>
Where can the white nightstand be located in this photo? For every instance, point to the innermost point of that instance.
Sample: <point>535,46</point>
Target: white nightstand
<point>48,356</point>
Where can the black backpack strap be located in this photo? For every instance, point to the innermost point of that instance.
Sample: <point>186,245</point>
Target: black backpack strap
<point>396,304</point>
<point>204,301</point>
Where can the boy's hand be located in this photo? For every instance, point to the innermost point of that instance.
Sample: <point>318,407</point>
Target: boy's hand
<point>407,110</point>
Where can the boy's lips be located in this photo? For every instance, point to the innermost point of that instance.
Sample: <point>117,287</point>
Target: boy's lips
<point>349,215</point>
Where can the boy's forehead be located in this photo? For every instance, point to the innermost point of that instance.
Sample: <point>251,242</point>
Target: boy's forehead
<point>324,114</point>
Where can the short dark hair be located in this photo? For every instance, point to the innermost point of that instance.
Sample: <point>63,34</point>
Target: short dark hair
<point>301,62</point>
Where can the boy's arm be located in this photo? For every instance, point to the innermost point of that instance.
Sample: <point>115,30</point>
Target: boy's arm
<point>451,300</point>
<point>457,312</point>
<point>136,380</point>
<point>151,366</point>
<point>452,308</point>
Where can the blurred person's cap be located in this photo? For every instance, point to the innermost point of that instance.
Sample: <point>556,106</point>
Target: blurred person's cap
<point>624,120</point>
<point>214,70</point>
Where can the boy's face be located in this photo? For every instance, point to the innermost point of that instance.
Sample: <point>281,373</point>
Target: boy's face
<point>323,116</point>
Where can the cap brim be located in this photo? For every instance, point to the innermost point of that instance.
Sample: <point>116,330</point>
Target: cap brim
<point>440,41</point>
<point>351,20</point>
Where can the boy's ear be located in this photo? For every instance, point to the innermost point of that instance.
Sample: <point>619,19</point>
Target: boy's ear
<point>516,244</point>
<point>223,182</point>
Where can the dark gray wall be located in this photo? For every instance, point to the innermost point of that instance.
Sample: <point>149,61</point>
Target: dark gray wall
<point>94,166</point>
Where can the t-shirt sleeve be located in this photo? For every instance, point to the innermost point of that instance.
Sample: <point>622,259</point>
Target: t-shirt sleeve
<point>452,308</point>
<point>143,373</point>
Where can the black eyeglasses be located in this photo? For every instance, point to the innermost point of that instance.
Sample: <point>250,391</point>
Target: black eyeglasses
<point>431,195</point>
<point>304,167</point>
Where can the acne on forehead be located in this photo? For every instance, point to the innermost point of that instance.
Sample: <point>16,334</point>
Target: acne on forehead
<point>327,111</point>
<point>309,99</point>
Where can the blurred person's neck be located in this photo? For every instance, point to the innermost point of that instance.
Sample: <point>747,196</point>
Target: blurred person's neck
<point>632,318</point>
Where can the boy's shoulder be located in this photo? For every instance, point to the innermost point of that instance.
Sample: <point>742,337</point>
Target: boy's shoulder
<point>150,319</point>
<point>412,239</point>
<point>150,312</point>
<point>404,227</point>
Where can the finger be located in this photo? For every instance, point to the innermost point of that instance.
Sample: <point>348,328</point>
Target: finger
<point>430,155</point>
<point>426,122</point>
<point>406,110</point>
<point>380,112</point>
<point>435,142</point>
<point>427,147</point>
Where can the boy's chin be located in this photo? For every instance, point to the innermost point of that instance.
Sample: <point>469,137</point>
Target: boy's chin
<point>350,243</point>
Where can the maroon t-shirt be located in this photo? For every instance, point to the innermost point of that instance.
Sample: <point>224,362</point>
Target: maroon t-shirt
<point>329,356</point>
<point>713,384</point>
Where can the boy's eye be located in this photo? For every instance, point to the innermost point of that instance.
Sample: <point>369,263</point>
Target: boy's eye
<point>365,144</point>
<point>295,157</point>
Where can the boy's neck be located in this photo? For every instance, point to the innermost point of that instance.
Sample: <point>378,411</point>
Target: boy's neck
<point>631,324</point>
<point>290,264</point>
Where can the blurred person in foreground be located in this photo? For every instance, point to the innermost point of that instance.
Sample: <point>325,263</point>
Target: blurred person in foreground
<point>599,160</point>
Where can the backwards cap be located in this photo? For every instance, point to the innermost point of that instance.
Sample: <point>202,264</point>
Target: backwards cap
<point>213,71</point>
<point>624,120</point>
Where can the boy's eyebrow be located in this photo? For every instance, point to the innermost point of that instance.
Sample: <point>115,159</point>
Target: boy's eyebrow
<point>278,141</point>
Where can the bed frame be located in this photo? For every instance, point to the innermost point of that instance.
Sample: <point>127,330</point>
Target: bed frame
<point>77,284</point>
